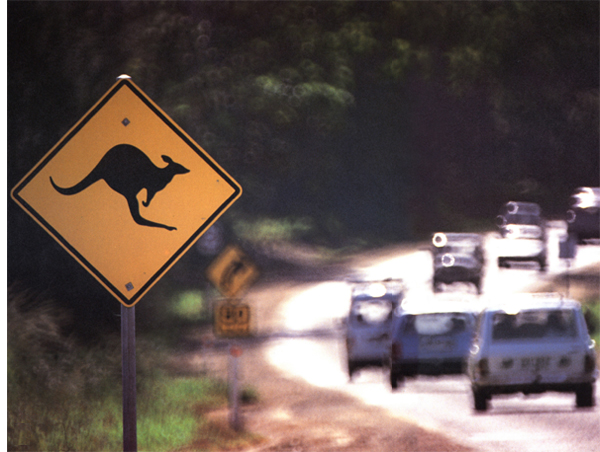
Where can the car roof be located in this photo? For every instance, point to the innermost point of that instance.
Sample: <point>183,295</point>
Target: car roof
<point>439,304</point>
<point>441,239</point>
<point>376,289</point>
<point>530,208</point>
<point>586,197</point>
<point>531,301</point>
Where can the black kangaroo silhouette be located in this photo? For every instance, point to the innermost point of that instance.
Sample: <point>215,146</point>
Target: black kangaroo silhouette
<point>127,170</point>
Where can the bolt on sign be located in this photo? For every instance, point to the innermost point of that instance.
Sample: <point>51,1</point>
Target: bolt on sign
<point>232,319</point>
<point>232,271</point>
<point>126,192</point>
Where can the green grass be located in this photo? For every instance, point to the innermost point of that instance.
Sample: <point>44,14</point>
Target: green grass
<point>591,308</point>
<point>65,397</point>
<point>168,417</point>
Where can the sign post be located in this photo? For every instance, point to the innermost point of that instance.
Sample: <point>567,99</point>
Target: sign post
<point>232,272</point>
<point>126,192</point>
<point>567,248</point>
<point>129,378</point>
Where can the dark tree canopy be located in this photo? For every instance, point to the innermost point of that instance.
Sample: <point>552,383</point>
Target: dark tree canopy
<point>376,119</point>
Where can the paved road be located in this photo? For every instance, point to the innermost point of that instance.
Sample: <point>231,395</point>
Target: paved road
<point>548,422</point>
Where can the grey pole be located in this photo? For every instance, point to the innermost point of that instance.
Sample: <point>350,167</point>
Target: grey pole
<point>129,378</point>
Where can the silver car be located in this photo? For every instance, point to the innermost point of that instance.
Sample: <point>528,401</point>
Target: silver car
<point>457,257</point>
<point>369,322</point>
<point>523,232</point>
<point>583,218</point>
<point>532,344</point>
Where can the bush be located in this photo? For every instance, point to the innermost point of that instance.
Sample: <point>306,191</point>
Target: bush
<point>65,396</point>
<point>54,386</point>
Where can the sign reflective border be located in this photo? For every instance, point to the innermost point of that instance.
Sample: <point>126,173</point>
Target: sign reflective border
<point>126,192</point>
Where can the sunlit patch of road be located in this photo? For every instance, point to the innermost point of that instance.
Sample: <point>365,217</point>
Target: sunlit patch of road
<point>549,422</point>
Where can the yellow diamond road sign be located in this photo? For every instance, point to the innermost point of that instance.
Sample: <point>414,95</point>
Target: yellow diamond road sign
<point>232,271</point>
<point>126,192</point>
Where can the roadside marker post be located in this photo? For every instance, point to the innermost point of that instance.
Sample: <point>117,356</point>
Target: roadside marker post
<point>235,419</point>
<point>232,272</point>
<point>126,192</point>
<point>567,249</point>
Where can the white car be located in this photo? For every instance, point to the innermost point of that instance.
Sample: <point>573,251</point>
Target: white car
<point>523,233</point>
<point>457,257</point>
<point>369,322</point>
<point>533,344</point>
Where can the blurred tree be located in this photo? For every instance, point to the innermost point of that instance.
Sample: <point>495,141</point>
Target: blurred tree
<point>388,119</point>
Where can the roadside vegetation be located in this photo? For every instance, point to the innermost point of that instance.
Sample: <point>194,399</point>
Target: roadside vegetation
<point>65,396</point>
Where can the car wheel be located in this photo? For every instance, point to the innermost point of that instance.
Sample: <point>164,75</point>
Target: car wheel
<point>395,380</point>
<point>351,369</point>
<point>477,283</point>
<point>584,396</point>
<point>480,400</point>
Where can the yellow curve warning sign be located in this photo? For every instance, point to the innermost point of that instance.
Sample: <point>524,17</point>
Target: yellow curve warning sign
<point>232,272</point>
<point>126,192</point>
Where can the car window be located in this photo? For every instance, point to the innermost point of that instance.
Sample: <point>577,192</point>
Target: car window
<point>438,323</point>
<point>458,248</point>
<point>372,311</point>
<point>523,219</point>
<point>534,325</point>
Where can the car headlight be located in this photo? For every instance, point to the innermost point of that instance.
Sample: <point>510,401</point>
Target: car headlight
<point>448,260</point>
<point>439,239</point>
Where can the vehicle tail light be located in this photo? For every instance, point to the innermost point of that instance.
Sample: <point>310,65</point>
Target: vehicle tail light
<point>396,350</point>
<point>483,367</point>
<point>589,363</point>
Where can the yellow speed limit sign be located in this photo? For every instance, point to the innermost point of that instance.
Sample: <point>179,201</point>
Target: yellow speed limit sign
<point>232,272</point>
<point>232,319</point>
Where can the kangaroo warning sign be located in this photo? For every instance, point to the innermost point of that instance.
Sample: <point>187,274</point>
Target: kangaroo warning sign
<point>126,192</point>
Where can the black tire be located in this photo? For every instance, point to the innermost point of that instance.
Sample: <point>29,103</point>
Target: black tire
<point>584,396</point>
<point>480,400</point>
<point>396,379</point>
<point>393,381</point>
<point>351,369</point>
<point>477,283</point>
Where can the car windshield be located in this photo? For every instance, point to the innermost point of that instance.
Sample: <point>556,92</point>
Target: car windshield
<point>372,311</point>
<point>519,218</point>
<point>457,248</point>
<point>537,324</point>
<point>437,323</point>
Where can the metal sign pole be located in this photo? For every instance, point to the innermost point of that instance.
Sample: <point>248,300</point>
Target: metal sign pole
<point>235,420</point>
<point>129,378</point>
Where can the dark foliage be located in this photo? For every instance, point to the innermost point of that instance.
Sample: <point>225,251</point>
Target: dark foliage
<point>384,120</point>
